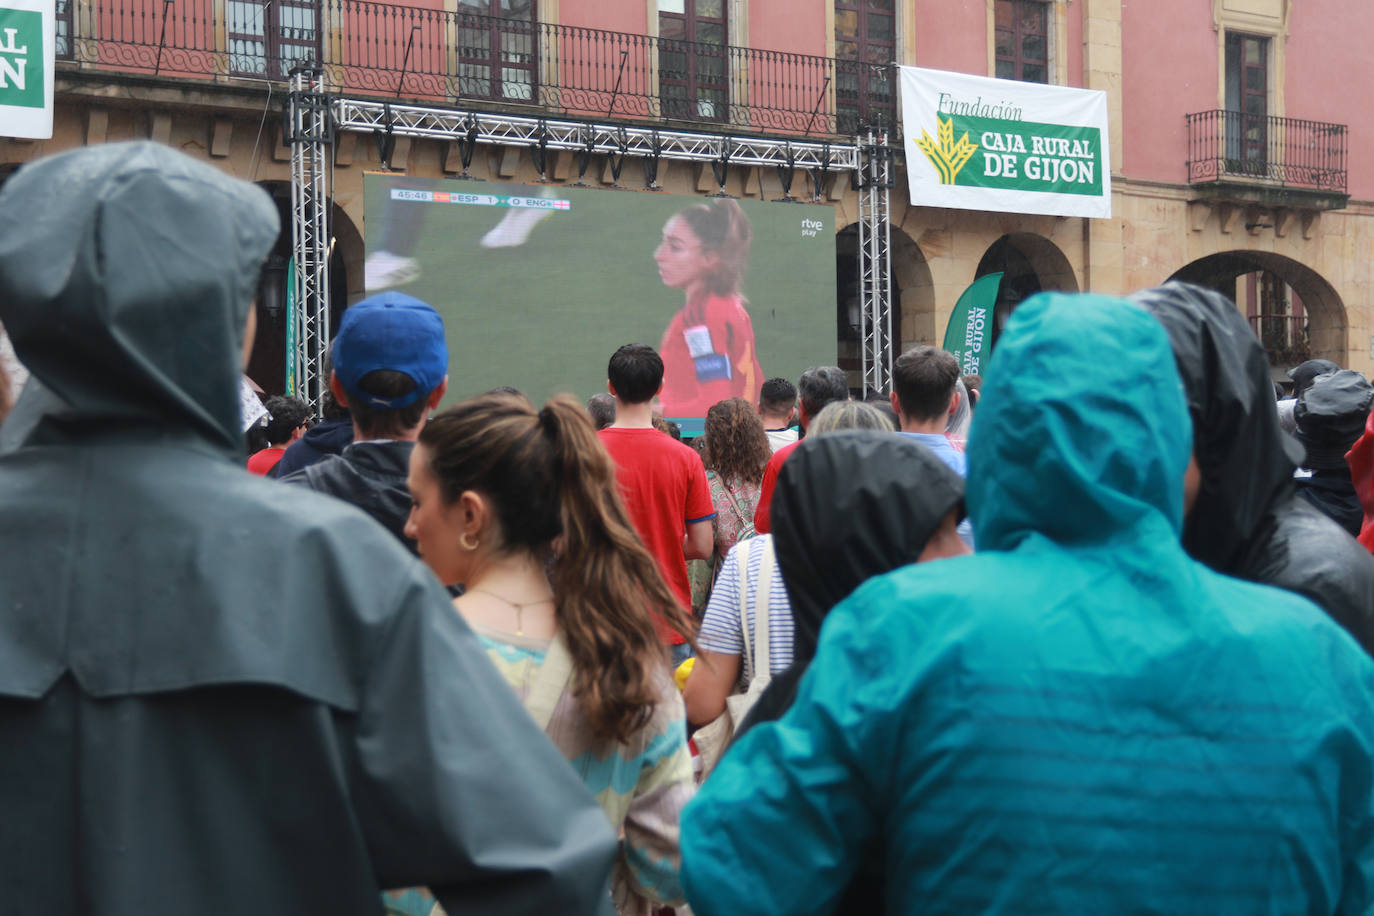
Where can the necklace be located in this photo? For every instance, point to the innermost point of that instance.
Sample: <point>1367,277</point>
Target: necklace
<point>519,607</point>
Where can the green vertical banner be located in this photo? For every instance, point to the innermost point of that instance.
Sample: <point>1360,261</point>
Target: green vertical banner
<point>28,41</point>
<point>291,328</point>
<point>969,335</point>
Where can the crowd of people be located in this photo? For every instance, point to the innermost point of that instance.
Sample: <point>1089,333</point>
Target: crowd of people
<point>1089,633</point>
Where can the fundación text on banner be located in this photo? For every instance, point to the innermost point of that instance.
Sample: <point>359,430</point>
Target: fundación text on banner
<point>977,143</point>
<point>27,55</point>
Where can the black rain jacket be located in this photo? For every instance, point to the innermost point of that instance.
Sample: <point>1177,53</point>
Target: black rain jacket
<point>1247,521</point>
<point>219,694</point>
<point>848,506</point>
<point>371,476</point>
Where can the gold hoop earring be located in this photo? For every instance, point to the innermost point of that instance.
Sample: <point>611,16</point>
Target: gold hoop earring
<point>467,541</point>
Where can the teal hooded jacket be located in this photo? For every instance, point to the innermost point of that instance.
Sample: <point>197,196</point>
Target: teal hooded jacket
<point>1077,719</point>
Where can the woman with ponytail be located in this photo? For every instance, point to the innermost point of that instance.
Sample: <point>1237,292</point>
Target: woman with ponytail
<point>494,484</point>
<point>708,349</point>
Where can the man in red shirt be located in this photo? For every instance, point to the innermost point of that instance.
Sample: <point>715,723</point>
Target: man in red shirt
<point>661,480</point>
<point>818,386</point>
<point>287,421</point>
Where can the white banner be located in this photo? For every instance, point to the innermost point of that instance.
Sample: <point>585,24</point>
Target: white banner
<point>977,143</point>
<point>28,34</point>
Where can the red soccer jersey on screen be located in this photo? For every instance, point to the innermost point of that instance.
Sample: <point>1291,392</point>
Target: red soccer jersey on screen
<point>664,487</point>
<point>708,356</point>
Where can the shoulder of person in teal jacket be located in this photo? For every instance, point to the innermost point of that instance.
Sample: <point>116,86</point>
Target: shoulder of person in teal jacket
<point>1084,628</point>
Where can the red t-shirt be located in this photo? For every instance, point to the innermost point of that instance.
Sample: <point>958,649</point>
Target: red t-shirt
<point>664,487</point>
<point>762,523</point>
<point>708,356</point>
<point>264,461</point>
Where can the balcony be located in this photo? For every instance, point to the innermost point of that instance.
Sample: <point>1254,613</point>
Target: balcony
<point>1285,338</point>
<point>453,58</point>
<point>1267,161</point>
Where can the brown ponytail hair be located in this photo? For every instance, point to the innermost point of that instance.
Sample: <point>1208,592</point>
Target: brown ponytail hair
<point>547,474</point>
<point>723,230</point>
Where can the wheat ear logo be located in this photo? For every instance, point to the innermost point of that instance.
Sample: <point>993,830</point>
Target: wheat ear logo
<point>948,157</point>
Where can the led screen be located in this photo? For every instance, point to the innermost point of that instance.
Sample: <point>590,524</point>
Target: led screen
<point>539,284</point>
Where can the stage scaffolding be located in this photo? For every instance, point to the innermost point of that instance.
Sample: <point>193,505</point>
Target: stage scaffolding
<point>313,117</point>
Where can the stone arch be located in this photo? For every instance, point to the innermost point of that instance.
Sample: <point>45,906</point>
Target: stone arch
<point>267,365</point>
<point>1029,263</point>
<point>913,289</point>
<point>1328,324</point>
<point>913,296</point>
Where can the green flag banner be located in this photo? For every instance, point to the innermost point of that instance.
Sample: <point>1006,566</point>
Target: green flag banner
<point>27,53</point>
<point>969,335</point>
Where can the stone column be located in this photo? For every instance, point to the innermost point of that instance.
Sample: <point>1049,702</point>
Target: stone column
<point>1102,238</point>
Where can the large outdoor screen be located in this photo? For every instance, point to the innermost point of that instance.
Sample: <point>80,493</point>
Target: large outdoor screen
<point>539,284</point>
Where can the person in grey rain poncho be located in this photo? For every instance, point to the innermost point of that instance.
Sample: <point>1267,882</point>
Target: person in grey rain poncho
<point>219,694</point>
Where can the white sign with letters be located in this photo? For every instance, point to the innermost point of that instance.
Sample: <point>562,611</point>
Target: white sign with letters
<point>28,35</point>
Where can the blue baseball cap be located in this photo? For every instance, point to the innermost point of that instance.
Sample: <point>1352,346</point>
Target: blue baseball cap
<point>390,331</point>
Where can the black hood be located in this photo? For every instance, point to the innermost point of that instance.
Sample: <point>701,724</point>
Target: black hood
<point>848,506</point>
<point>1246,459</point>
<point>126,286</point>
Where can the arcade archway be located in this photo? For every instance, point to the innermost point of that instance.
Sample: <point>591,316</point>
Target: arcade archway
<point>1294,311</point>
<point>912,312</point>
<point>1029,264</point>
<point>267,364</point>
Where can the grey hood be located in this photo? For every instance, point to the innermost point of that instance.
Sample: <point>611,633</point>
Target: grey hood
<point>155,248</point>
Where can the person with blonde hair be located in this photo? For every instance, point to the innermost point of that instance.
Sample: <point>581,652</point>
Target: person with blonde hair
<point>495,483</point>
<point>839,415</point>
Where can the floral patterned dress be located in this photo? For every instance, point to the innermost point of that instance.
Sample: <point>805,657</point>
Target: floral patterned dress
<point>732,525</point>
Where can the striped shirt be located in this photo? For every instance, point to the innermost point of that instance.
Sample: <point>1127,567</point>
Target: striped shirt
<point>720,629</point>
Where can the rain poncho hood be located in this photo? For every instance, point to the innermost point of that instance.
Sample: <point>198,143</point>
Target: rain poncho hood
<point>1077,719</point>
<point>1246,461</point>
<point>848,505</point>
<point>1247,520</point>
<point>216,689</point>
<point>114,319</point>
<point>1073,483</point>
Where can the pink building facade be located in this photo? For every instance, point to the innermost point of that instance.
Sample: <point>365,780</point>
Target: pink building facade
<point>1237,156</point>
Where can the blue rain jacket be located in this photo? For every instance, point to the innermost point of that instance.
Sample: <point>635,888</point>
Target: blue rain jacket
<point>1080,718</point>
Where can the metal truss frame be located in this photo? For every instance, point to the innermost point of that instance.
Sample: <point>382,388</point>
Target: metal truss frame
<point>312,118</point>
<point>617,139</point>
<point>875,264</point>
<point>310,132</point>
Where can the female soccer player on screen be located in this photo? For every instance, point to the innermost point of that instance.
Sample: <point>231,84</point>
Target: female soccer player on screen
<point>708,350</point>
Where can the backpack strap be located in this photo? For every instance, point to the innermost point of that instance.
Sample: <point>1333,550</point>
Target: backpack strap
<point>742,551</point>
<point>763,673</point>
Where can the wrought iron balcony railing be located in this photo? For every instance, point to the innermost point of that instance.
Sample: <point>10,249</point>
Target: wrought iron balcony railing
<point>1285,338</point>
<point>371,48</point>
<point>1283,151</point>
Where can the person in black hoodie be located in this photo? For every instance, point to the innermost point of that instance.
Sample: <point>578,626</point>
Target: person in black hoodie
<point>1247,520</point>
<point>848,506</point>
<point>326,438</point>
<point>390,370</point>
<point>1331,415</point>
